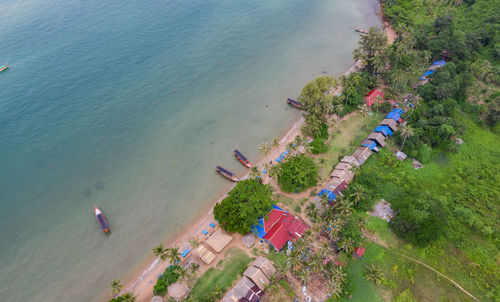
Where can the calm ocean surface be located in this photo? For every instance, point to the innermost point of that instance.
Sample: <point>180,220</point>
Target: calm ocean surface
<point>129,105</point>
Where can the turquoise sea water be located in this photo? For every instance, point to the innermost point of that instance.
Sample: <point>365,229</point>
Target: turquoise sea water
<point>129,105</point>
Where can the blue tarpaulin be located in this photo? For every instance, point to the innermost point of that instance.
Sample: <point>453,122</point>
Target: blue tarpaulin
<point>258,229</point>
<point>395,116</point>
<point>439,62</point>
<point>329,195</point>
<point>385,130</point>
<point>369,143</point>
<point>397,110</point>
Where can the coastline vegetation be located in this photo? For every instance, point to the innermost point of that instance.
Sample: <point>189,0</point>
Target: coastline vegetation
<point>297,173</point>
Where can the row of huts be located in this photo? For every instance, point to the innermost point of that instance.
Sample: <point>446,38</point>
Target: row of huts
<point>424,79</point>
<point>342,175</point>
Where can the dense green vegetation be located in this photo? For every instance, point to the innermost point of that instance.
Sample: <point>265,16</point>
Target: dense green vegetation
<point>215,281</point>
<point>248,201</point>
<point>171,274</point>
<point>128,297</point>
<point>297,173</point>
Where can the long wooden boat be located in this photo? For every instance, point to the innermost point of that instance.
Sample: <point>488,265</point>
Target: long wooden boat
<point>242,158</point>
<point>3,67</point>
<point>103,223</point>
<point>359,30</point>
<point>294,103</point>
<point>228,174</point>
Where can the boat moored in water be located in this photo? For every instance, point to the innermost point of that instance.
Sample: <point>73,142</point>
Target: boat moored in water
<point>101,220</point>
<point>242,158</point>
<point>3,67</point>
<point>228,174</point>
<point>294,103</point>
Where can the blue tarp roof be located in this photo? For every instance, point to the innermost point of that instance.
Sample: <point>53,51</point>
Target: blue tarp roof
<point>429,72</point>
<point>385,130</point>
<point>395,116</point>
<point>397,110</point>
<point>439,62</point>
<point>369,143</point>
<point>258,229</point>
<point>329,194</point>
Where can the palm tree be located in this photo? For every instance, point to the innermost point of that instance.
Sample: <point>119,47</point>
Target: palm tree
<point>363,110</point>
<point>406,131</point>
<point>322,163</point>
<point>347,245</point>
<point>265,149</point>
<point>358,193</point>
<point>128,297</point>
<point>316,263</point>
<point>335,122</point>
<point>174,255</point>
<point>194,242</point>
<point>344,207</point>
<point>374,273</point>
<point>160,252</point>
<point>334,228</point>
<point>276,142</point>
<point>116,286</point>
<point>304,275</point>
<point>254,172</point>
<point>311,211</point>
<point>334,288</point>
<point>294,259</point>
<point>301,246</point>
<point>338,274</point>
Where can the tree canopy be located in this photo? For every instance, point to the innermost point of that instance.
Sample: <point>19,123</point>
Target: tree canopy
<point>248,201</point>
<point>297,174</point>
<point>372,50</point>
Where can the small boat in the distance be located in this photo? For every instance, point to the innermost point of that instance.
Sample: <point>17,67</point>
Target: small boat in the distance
<point>242,158</point>
<point>3,67</point>
<point>101,220</point>
<point>226,173</point>
<point>294,103</point>
<point>360,30</point>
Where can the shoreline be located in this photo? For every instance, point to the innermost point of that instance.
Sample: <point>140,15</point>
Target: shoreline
<point>142,279</point>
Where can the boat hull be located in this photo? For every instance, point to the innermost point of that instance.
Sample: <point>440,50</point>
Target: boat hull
<point>101,220</point>
<point>227,174</point>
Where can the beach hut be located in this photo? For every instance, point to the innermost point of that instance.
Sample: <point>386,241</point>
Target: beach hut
<point>265,265</point>
<point>257,277</point>
<point>362,154</point>
<point>385,130</point>
<point>349,160</point>
<point>343,166</point>
<point>244,290</point>
<point>177,290</point>
<point>156,299</point>
<point>337,186</point>
<point>372,96</point>
<point>219,240</point>
<point>204,254</point>
<point>379,138</point>
<point>370,144</point>
<point>392,124</point>
<point>345,175</point>
<point>248,240</point>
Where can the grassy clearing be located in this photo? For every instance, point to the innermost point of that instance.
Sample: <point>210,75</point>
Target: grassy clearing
<point>222,277</point>
<point>283,291</point>
<point>363,289</point>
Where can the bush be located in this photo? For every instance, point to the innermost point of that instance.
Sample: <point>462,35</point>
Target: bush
<point>169,276</point>
<point>248,201</point>
<point>128,297</point>
<point>424,154</point>
<point>318,146</point>
<point>297,174</point>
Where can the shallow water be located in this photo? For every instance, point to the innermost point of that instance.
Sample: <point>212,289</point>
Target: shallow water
<point>129,105</point>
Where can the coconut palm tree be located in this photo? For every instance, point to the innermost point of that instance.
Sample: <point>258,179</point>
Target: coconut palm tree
<point>335,122</point>
<point>334,288</point>
<point>276,142</point>
<point>304,275</point>
<point>174,255</point>
<point>128,297</point>
<point>301,246</point>
<point>294,259</point>
<point>374,274</point>
<point>363,110</point>
<point>265,149</point>
<point>322,163</point>
<point>406,131</point>
<point>116,286</point>
<point>347,245</point>
<point>338,274</point>
<point>254,172</point>
<point>324,249</point>
<point>358,193</point>
<point>160,252</point>
<point>316,263</point>
<point>312,211</point>
<point>344,207</point>
<point>194,242</point>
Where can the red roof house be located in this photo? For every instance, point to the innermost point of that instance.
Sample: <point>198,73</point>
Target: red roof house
<point>359,251</point>
<point>285,228</point>
<point>372,96</point>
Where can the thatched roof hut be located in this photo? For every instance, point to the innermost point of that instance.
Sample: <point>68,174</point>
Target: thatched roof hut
<point>265,265</point>
<point>377,137</point>
<point>178,290</point>
<point>219,240</point>
<point>156,299</point>
<point>343,166</point>
<point>248,240</point>
<point>257,276</point>
<point>204,254</point>
<point>244,290</point>
<point>362,154</point>
<point>345,175</point>
<point>389,122</point>
<point>349,160</point>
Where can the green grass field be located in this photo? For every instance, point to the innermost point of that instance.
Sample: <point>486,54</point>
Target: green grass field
<point>221,277</point>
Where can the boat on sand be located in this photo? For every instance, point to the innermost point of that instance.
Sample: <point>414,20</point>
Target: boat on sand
<point>242,158</point>
<point>228,174</point>
<point>101,220</point>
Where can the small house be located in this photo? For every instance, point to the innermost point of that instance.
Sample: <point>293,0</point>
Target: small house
<point>393,115</point>
<point>345,175</point>
<point>359,252</point>
<point>372,96</point>
<point>343,166</point>
<point>244,291</point>
<point>281,227</point>
<point>392,124</point>
<point>370,144</point>
<point>385,130</point>
<point>257,277</point>
<point>379,138</point>
<point>349,160</point>
<point>401,156</point>
<point>362,154</point>
<point>338,186</point>
<point>265,265</point>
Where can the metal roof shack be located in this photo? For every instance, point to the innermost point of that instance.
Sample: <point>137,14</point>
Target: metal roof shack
<point>265,265</point>
<point>371,97</point>
<point>379,138</point>
<point>362,154</point>
<point>349,160</point>
<point>244,291</point>
<point>370,144</point>
<point>287,228</point>
<point>385,130</point>
<point>257,277</point>
<point>390,123</point>
<point>343,166</point>
<point>338,186</point>
<point>345,175</point>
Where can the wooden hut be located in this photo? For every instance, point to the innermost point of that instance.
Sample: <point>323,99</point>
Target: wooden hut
<point>257,277</point>
<point>345,175</point>
<point>377,137</point>
<point>362,154</point>
<point>178,290</point>
<point>219,240</point>
<point>244,290</point>
<point>343,166</point>
<point>349,160</point>
<point>204,254</point>
<point>389,122</point>
<point>265,265</point>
